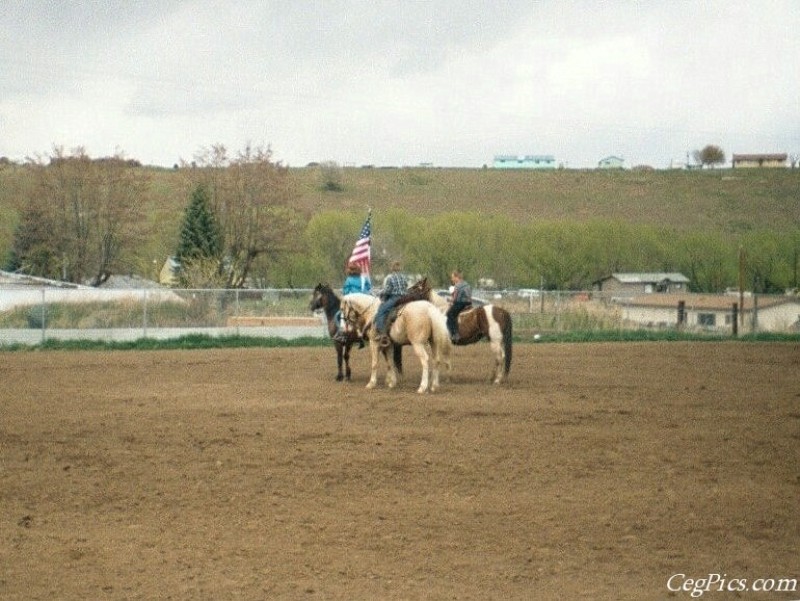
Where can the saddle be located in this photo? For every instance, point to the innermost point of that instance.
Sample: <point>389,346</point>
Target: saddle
<point>409,297</point>
<point>412,295</point>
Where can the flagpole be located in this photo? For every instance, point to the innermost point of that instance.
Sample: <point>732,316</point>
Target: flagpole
<point>361,254</point>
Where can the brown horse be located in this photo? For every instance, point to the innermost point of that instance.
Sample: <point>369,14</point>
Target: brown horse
<point>325,299</point>
<point>486,321</point>
<point>418,323</point>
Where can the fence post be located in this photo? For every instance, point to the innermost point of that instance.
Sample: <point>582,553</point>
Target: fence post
<point>681,314</point>
<point>755,312</point>
<point>144,314</point>
<point>44,315</point>
<point>735,319</point>
<point>237,312</point>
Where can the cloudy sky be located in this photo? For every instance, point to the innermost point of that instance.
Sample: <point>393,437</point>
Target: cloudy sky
<point>400,82</point>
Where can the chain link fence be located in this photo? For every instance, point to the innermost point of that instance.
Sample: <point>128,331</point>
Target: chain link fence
<point>31,315</point>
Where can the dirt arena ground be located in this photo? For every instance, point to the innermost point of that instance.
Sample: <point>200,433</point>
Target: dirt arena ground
<point>599,471</point>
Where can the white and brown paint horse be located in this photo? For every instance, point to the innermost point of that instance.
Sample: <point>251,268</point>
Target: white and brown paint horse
<point>418,323</point>
<point>487,321</point>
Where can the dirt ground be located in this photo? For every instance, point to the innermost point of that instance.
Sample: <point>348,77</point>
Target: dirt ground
<point>599,471</point>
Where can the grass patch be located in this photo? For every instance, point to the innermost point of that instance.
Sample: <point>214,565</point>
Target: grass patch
<point>203,341</point>
<point>188,342</point>
<point>651,336</point>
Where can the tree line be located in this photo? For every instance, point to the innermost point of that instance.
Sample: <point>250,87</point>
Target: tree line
<point>562,255</point>
<point>82,220</point>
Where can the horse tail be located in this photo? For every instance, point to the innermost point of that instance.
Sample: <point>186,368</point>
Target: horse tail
<point>440,337</point>
<point>507,330</point>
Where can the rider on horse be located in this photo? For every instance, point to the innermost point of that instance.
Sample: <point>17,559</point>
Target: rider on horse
<point>354,282</point>
<point>394,287</point>
<point>461,299</point>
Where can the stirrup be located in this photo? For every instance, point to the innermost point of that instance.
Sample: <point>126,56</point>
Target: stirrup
<point>385,341</point>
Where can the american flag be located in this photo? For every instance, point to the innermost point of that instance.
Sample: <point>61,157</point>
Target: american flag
<point>360,255</point>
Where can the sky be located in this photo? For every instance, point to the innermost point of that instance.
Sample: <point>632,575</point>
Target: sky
<point>400,82</point>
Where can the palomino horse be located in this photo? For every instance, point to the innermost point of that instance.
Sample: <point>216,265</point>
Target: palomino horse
<point>325,299</point>
<point>487,321</point>
<point>418,323</point>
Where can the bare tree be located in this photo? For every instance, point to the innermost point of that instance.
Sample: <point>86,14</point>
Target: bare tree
<point>250,195</point>
<point>90,210</point>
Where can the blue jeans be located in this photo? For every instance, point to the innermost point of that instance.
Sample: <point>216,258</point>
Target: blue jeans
<point>383,312</point>
<point>452,316</point>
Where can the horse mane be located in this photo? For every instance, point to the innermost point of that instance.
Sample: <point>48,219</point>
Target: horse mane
<point>419,291</point>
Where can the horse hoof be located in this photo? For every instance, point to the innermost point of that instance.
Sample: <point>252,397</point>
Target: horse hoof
<point>339,378</point>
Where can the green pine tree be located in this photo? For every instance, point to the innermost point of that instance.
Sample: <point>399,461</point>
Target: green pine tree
<point>200,238</point>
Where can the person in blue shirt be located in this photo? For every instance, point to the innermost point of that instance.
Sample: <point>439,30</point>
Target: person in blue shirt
<point>460,300</point>
<point>354,282</point>
<point>394,286</point>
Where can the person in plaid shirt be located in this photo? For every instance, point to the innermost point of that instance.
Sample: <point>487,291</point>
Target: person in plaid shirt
<point>394,286</point>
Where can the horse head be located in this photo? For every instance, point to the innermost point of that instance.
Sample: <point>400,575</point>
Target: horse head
<point>356,308</point>
<point>422,288</point>
<point>320,297</point>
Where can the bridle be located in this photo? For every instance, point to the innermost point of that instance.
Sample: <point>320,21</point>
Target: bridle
<point>320,299</point>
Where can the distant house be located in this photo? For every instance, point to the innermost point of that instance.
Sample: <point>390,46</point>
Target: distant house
<point>759,160</point>
<point>629,284</point>
<point>714,312</point>
<point>529,161</point>
<point>168,276</point>
<point>611,162</point>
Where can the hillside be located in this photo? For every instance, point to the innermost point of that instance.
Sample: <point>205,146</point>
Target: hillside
<point>722,200</point>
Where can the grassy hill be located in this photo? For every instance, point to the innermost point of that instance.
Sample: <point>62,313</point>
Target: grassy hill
<point>722,200</point>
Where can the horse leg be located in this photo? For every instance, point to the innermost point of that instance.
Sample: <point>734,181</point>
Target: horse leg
<point>339,360</point>
<point>347,348</point>
<point>499,359</point>
<point>422,355</point>
<point>373,352</point>
<point>494,333</point>
<point>391,371</point>
<point>434,371</point>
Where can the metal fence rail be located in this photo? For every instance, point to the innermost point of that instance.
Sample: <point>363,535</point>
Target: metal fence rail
<point>31,315</point>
